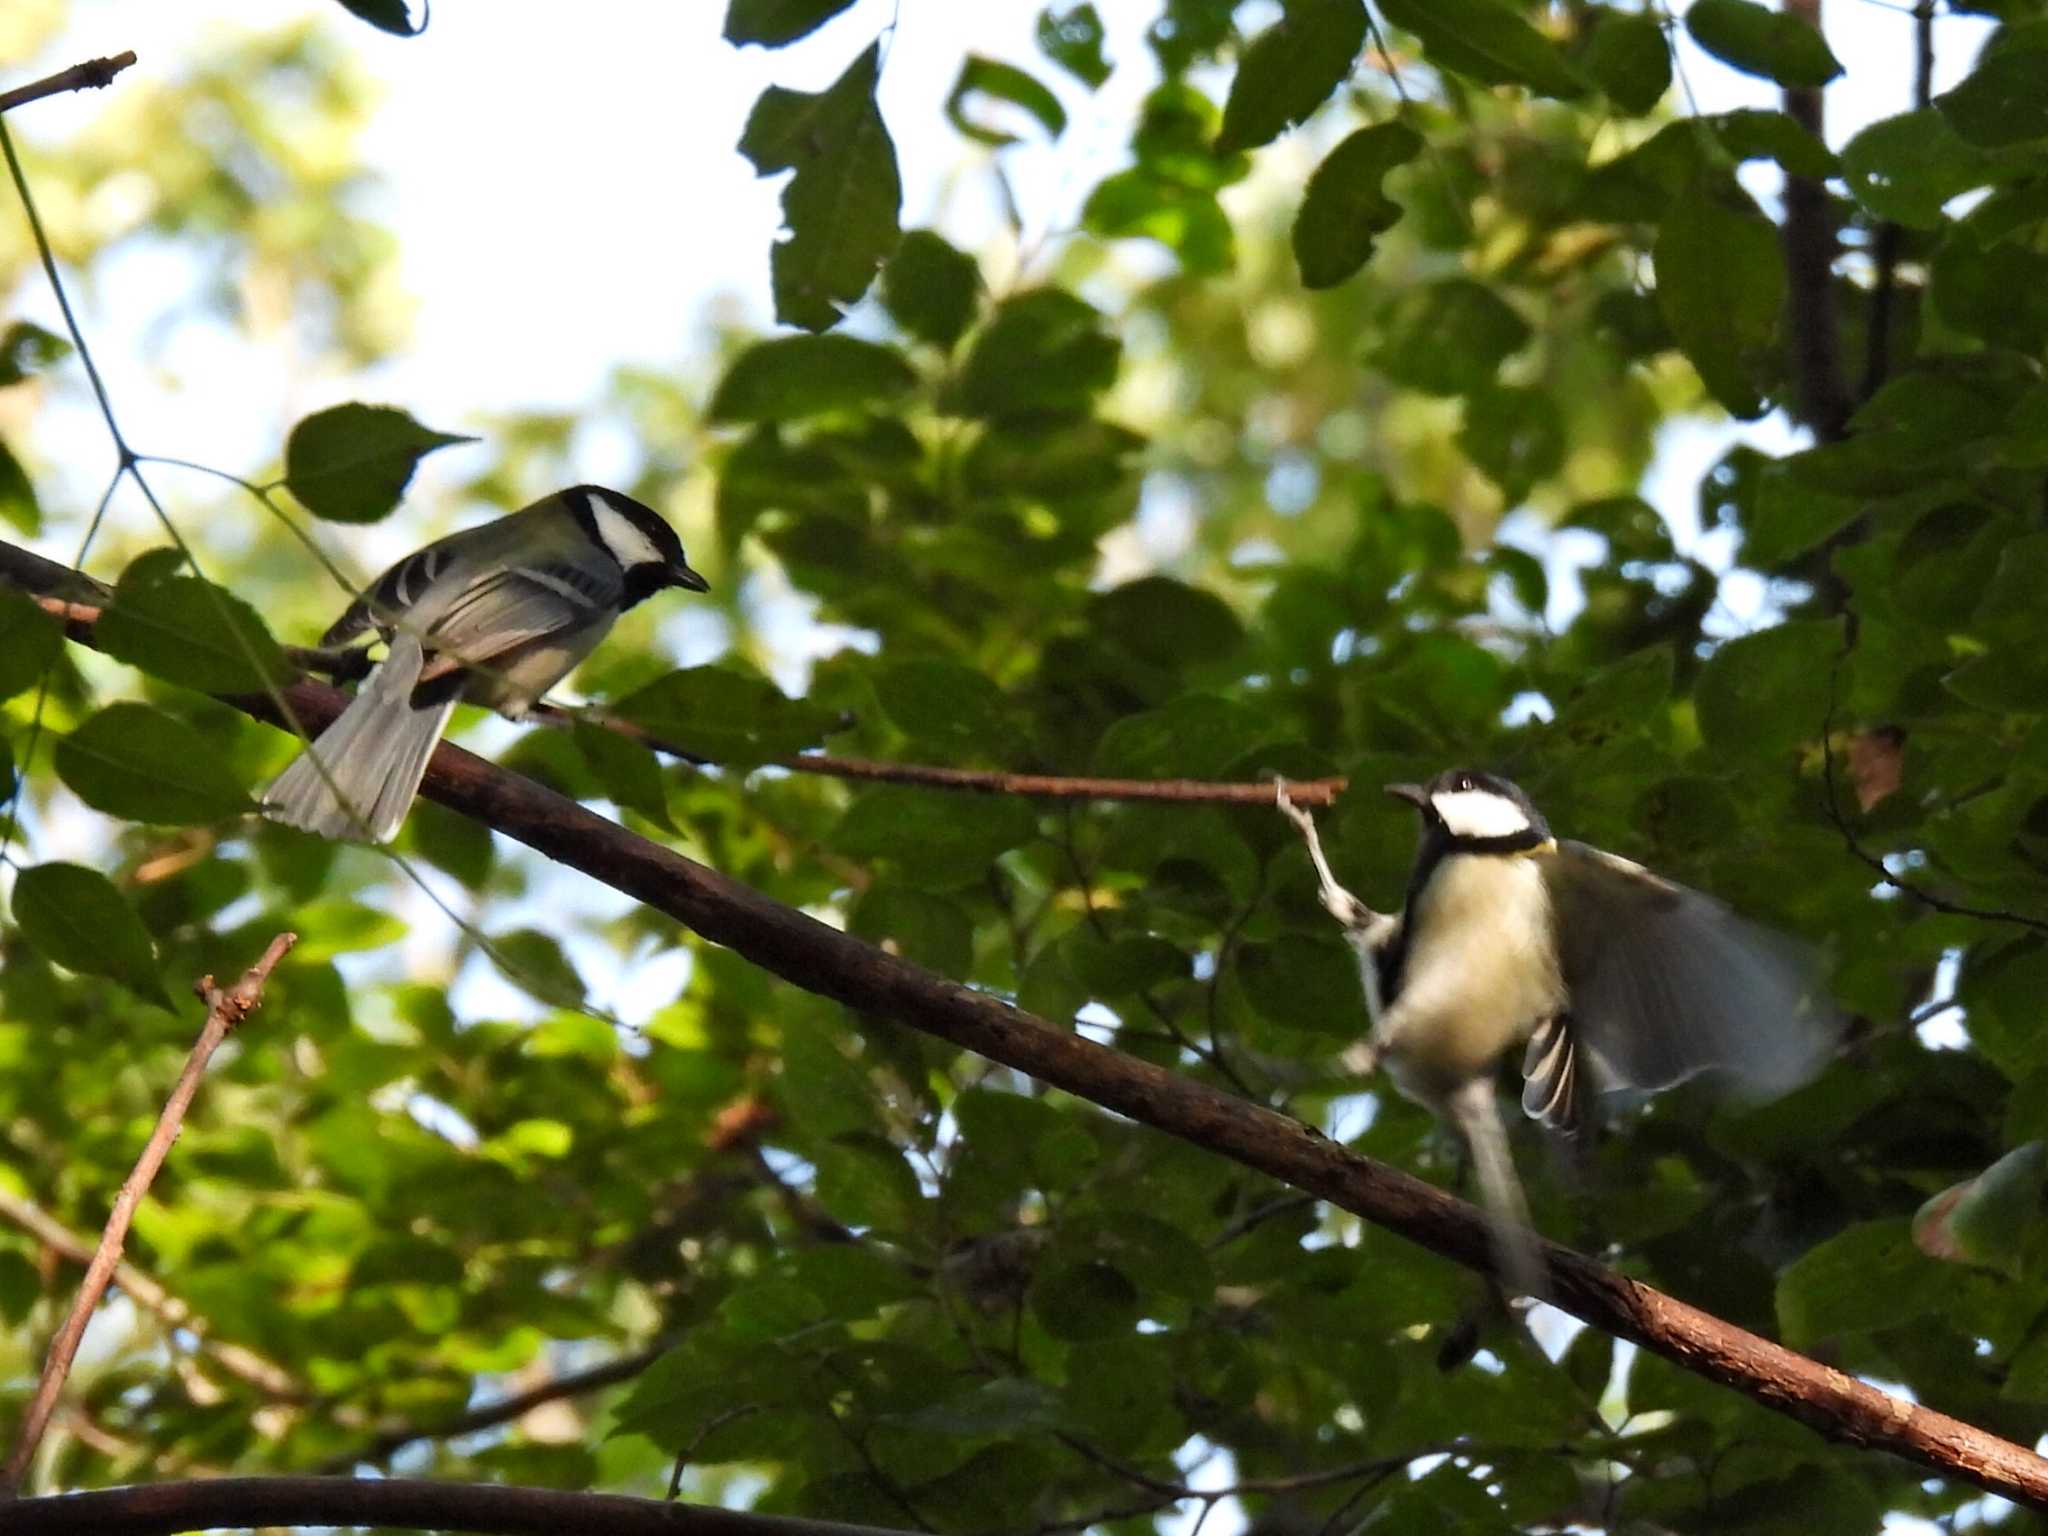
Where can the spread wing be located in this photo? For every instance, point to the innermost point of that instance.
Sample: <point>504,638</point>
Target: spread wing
<point>1666,984</point>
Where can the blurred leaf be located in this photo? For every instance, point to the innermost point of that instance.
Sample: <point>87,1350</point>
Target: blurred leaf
<point>1449,337</point>
<point>1905,168</point>
<point>30,641</point>
<point>1753,134</point>
<point>1721,286</point>
<point>1290,69</point>
<point>190,632</point>
<point>1766,692</point>
<point>535,962</point>
<point>139,763</point>
<point>1044,350</point>
<point>1987,1220</point>
<point>840,206</point>
<point>789,377</point>
<point>1167,622</point>
<point>392,16</point>
<point>629,772</point>
<point>1487,40</point>
<point>1629,59</point>
<point>931,289</point>
<point>1866,1277</point>
<point>1760,41</point>
<point>76,918</point>
<point>1345,209</point>
<point>1516,435</point>
<point>777,22</point>
<point>927,929</point>
<point>2000,101</point>
<point>953,709</point>
<point>724,717</point>
<point>1085,1302</point>
<point>18,495</point>
<point>352,463</point>
<point>26,349</point>
<point>1306,983</point>
<point>1008,1405</point>
<point>937,841</point>
<point>1006,83</point>
<point>1186,220</point>
<point>1072,39</point>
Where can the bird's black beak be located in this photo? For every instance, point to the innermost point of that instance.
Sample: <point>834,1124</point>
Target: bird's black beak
<point>680,575</point>
<point>1414,794</point>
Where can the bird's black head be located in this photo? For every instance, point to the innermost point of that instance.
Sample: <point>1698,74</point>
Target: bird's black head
<point>636,536</point>
<point>1476,812</point>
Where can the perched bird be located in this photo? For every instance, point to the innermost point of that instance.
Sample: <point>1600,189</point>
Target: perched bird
<point>497,615</point>
<point>1605,976</point>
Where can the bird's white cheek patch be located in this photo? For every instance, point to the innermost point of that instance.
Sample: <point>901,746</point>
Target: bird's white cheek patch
<point>629,546</point>
<point>1479,813</point>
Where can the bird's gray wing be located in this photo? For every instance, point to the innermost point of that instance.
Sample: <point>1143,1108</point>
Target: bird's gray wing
<point>1665,983</point>
<point>395,592</point>
<point>504,609</point>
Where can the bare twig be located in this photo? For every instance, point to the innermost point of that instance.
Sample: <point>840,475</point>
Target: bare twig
<point>224,1010</point>
<point>92,75</point>
<point>151,1296</point>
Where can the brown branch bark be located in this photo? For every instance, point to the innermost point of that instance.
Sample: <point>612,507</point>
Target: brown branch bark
<point>1823,401</point>
<point>92,75</point>
<point>834,964</point>
<point>150,1295</point>
<point>242,1503</point>
<point>51,581</point>
<point>224,1010</point>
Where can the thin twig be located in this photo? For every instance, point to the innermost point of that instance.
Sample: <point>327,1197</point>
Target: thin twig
<point>92,75</point>
<point>151,1296</point>
<point>224,1010</point>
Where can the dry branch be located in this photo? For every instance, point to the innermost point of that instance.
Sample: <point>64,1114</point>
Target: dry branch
<point>224,1010</point>
<point>92,75</point>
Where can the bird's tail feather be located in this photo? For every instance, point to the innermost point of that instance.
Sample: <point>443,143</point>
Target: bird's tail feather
<point>1477,1115</point>
<point>373,757</point>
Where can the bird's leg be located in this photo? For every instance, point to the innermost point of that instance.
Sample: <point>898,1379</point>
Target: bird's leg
<point>1354,914</point>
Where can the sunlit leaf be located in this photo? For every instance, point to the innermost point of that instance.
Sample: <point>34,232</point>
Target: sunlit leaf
<point>930,288</point>
<point>1072,39</point>
<point>352,463</point>
<point>136,762</point>
<point>190,632</point>
<point>996,81</point>
<point>787,377</point>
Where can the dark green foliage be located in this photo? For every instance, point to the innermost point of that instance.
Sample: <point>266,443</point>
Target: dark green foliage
<point>352,463</point>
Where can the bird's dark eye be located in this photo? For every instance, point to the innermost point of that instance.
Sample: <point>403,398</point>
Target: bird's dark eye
<point>1462,781</point>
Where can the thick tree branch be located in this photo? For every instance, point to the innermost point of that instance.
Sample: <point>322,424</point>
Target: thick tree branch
<point>241,1503</point>
<point>1823,402</point>
<point>1891,236</point>
<point>92,75</point>
<point>224,1010</point>
<point>834,964</point>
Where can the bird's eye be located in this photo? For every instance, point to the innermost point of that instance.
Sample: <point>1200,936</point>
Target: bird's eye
<point>1463,781</point>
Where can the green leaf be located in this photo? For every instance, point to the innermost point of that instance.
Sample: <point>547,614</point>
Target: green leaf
<point>1866,1277</point>
<point>1448,337</point>
<point>1487,40</point>
<point>1760,41</point>
<point>535,963</point>
<point>1290,69</point>
<point>1305,983</point>
<point>1001,82</point>
<point>953,709</point>
<point>1763,693</point>
<point>1629,59</point>
<point>18,494</point>
<point>1906,168</point>
<point>1345,208</point>
<point>26,349</point>
<point>931,289</point>
<point>774,23</point>
<point>629,772</point>
<point>190,632</point>
<point>1045,350</point>
<point>1188,221</point>
<point>1195,736</point>
<point>76,917</point>
<point>1167,622</point>
<point>928,929</point>
<point>1721,287</point>
<point>2001,101</point>
<point>1008,1405</point>
<point>1515,435</point>
<point>789,377</point>
<point>1072,39</point>
<point>140,764</point>
<point>840,207</point>
<point>935,841</point>
<point>1754,134</point>
<point>725,717</point>
<point>1988,1220</point>
<point>1084,1302</point>
<point>865,1181</point>
<point>352,463</point>
<point>30,641</point>
<point>1791,517</point>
